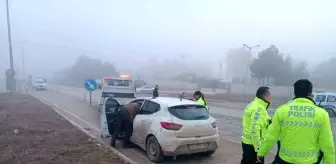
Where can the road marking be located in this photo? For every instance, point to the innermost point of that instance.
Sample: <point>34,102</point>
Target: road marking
<point>224,138</point>
<point>95,128</point>
<point>65,110</point>
<point>118,153</point>
<point>142,156</point>
<point>228,122</point>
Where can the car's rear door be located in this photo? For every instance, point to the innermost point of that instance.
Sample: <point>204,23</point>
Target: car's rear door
<point>331,100</point>
<point>194,119</point>
<point>320,99</point>
<point>143,121</point>
<point>108,116</point>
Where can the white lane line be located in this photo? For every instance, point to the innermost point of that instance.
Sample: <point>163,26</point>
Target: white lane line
<point>65,110</point>
<point>142,156</point>
<point>229,122</point>
<point>230,140</point>
<point>95,128</point>
<point>119,154</point>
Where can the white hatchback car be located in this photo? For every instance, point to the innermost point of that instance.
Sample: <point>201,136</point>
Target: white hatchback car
<point>167,127</point>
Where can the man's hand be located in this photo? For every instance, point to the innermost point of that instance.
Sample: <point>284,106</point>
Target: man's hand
<point>259,159</point>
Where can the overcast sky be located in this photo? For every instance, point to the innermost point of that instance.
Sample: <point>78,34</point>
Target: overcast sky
<point>55,32</point>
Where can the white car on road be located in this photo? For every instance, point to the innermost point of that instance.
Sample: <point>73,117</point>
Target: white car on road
<point>145,90</point>
<point>167,127</point>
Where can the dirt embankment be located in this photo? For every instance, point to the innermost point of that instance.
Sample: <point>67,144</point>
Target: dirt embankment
<point>32,132</point>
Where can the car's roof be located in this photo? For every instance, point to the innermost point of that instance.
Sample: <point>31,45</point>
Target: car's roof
<point>324,93</point>
<point>170,101</point>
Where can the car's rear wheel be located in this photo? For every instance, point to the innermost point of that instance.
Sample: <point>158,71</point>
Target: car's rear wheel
<point>331,112</point>
<point>208,153</point>
<point>154,151</point>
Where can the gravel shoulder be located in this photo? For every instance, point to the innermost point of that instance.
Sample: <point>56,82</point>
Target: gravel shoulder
<point>32,132</point>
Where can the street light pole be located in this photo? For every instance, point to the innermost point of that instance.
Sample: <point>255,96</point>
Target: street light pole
<point>12,76</point>
<point>182,57</point>
<point>248,63</point>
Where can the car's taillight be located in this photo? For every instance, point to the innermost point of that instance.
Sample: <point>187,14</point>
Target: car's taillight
<point>214,124</point>
<point>171,126</point>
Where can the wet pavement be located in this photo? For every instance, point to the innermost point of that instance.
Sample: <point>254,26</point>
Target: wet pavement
<point>88,118</point>
<point>228,121</point>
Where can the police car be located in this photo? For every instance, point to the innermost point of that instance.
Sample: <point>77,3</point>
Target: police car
<point>166,126</point>
<point>326,100</point>
<point>117,87</point>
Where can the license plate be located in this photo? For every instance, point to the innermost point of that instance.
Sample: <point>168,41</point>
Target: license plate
<point>197,146</point>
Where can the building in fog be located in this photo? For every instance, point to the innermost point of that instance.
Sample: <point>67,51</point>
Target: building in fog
<point>237,65</point>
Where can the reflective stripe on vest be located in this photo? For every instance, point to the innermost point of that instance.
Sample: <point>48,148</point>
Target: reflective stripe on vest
<point>299,154</point>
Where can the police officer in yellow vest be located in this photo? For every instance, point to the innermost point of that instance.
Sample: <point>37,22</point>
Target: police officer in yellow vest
<point>199,97</point>
<point>255,123</point>
<point>303,129</point>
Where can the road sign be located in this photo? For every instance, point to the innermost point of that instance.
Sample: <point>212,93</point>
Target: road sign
<point>90,85</point>
<point>10,73</point>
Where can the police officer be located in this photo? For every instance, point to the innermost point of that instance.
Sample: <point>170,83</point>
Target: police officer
<point>303,129</point>
<point>124,122</point>
<point>255,123</point>
<point>156,91</point>
<point>199,97</point>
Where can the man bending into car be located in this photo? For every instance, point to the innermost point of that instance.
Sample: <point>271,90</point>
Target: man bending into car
<point>125,118</point>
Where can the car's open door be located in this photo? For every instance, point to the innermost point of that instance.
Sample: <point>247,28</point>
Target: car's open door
<point>108,116</point>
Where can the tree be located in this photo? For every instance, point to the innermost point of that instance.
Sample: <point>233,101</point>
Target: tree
<point>272,65</point>
<point>300,71</point>
<point>324,74</point>
<point>266,65</point>
<point>86,68</point>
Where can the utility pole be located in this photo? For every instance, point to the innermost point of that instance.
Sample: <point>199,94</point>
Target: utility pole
<point>248,64</point>
<point>12,76</point>
<point>220,70</point>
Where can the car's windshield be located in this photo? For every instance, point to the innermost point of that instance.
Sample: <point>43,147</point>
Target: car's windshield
<point>118,82</point>
<point>39,82</point>
<point>189,112</point>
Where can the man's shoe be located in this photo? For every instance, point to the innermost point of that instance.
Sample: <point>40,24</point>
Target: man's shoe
<point>112,144</point>
<point>128,145</point>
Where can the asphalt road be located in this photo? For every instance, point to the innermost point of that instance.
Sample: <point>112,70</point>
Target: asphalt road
<point>227,111</point>
<point>72,103</point>
<point>88,118</point>
<point>215,108</point>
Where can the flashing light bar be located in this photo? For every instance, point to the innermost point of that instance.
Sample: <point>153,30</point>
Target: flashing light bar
<point>127,77</point>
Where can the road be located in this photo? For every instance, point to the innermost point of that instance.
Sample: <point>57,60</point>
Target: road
<point>227,109</point>
<point>88,118</point>
<point>71,101</point>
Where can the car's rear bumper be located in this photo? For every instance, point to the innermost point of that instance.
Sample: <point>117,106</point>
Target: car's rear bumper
<point>40,88</point>
<point>178,146</point>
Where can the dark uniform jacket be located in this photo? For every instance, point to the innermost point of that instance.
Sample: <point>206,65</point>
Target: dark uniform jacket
<point>155,93</point>
<point>133,109</point>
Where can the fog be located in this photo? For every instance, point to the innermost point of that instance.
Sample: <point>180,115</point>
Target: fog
<point>131,33</point>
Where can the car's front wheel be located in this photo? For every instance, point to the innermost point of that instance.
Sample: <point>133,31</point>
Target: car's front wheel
<point>154,151</point>
<point>331,112</point>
